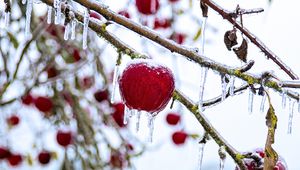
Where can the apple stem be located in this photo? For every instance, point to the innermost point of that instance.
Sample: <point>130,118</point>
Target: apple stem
<point>73,29</point>
<point>202,83</point>
<point>85,28</point>
<point>291,113</point>
<point>49,14</point>
<point>28,18</point>
<point>250,101</point>
<point>200,158</point>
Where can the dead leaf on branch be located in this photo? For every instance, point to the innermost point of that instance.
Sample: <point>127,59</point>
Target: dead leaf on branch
<point>204,8</point>
<point>230,39</point>
<point>242,51</point>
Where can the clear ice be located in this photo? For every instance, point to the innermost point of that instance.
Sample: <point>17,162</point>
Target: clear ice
<point>202,84</point>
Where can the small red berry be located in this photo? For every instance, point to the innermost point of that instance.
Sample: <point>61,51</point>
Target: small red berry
<point>162,23</point>
<point>4,152</point>
<point>146,86</point>
<point>178,37</point>
<point>13,120</point>
<point>76,55</point>
<point>101,95</point>
<point>95,15</point>
<point>64,138</point>
<point>147,7</point>
<point>52,72</point>
<point>27,99</point>
<point>118,114</point>
<point>173,118</point>
<point>44,157</point>
<point>124,13</point>
<point>44,104</point>
<point>117,160</point>
<point>179,137</point>
<point>15,159</point>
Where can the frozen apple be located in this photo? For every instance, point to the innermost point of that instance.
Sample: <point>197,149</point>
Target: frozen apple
<point>147,7</point>
<point>4,152</point>
<point>173,118</point>
<point>44,157</point>
<point>145,85</point>
<point>44,104</point>
<point>64,138</point>
<point>179,137</point>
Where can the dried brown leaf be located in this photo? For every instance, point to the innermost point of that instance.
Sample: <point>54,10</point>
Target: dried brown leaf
<point>204,8</point>
<point>230,39</point>
<point>241,51</point>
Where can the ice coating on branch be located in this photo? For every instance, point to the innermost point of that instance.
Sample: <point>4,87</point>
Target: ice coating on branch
<point>224,87</point>
<point>250,101</point>
<point>151,126</point>
<point>138,118</point>
<point>291,113</point>
<point>114,83</point>
<point>262,104</point>
<point>49,14</point>
<point>231,87</point>
<point>6,19</point>
<point>202,38</point>
<point>200,156</point>
<point>73,29</point>
<point>67,31</point>
<point>85,29</point>
<point>23,2</point>
<point>283,96</point>
<point>202,83</point>
<point>57,6</point>
<point>28,17</point>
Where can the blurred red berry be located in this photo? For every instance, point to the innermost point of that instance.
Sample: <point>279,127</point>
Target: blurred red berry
<point>44,157</point>
<point>147,7</point>
<point>179,137</point>
<point>173,1</point>
<point>124,13</point>
<point>95,15</point>
<point>101,95</point>
<point>118,114</point>
<point>52,72</point>
<point>117,160</point>
<point>4,152</point>
<point>87,82</point>
<point>15,159</point>
<point>147,86</point>
<point>64,138</point>
<point>43,104</point>
<point>76,55</point>
<point>27,99</point>
<point>162,23</point>
<point>178,37</point>
<point>13,120</point>
<point>173,118</point>
<point>55,30</point>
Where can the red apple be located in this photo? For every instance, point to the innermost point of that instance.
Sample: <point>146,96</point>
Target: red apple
<point>27,99</point>
<point>44,104</point>
<point>145,85</point>
<point>13,120</point>
<point>101,95</point>
<point>4,152</point>
<point>118,114</point>
<point>44,157</point>
<point>64,138</point>
<point>173,118</point>
<point>179,137</point>
<point>147,7</point>
<point>15,159</point>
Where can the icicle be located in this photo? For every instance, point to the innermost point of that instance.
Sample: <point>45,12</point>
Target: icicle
<point>85,29</point>
<point>222,155</point>
<point>262,104</point>
<point>283,101</point>
<point>126,115</point>
<point>57,6</point>
<point>73,29</point>
<point>28,17</point>
<point>250,101</point>
<point>49,14</point>
<point>23,2</point>
<point>222,164</point>
<point>138,118</point>
<point>202,38</point>
<point>67,31</point>
<point>6,19</point>
<point>202,83</point>
<point>114,83</point>
<point>151,126</point>
<point>291,113</point>
<point>200,158</point>
<point>231,88</point>
<point>224,85</point>
<point>299,103</point>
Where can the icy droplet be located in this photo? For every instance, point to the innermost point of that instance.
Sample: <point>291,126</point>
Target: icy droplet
<point>202,83</point>
<point>200,156</point>
<point>222,164</point>
<point>23,2</point>
<point>73,30</point>
<point>224,87</point>
<point>291,113</point>
<point>85,29</point>
<point>231,87</point>
<point>138,118</point>
<point>57,6</point>
<point>114,83</point>
<point>283,97</point>
<point>126,114</point>
<point>151,126</point>
<point>6,19</point>
<point>67,31</point>
<point>250,101</point>
<point>28,17</point>
<point>202,38</point>
<point>49,14</point>
<point>222,155</point>
<point>262,104</point>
